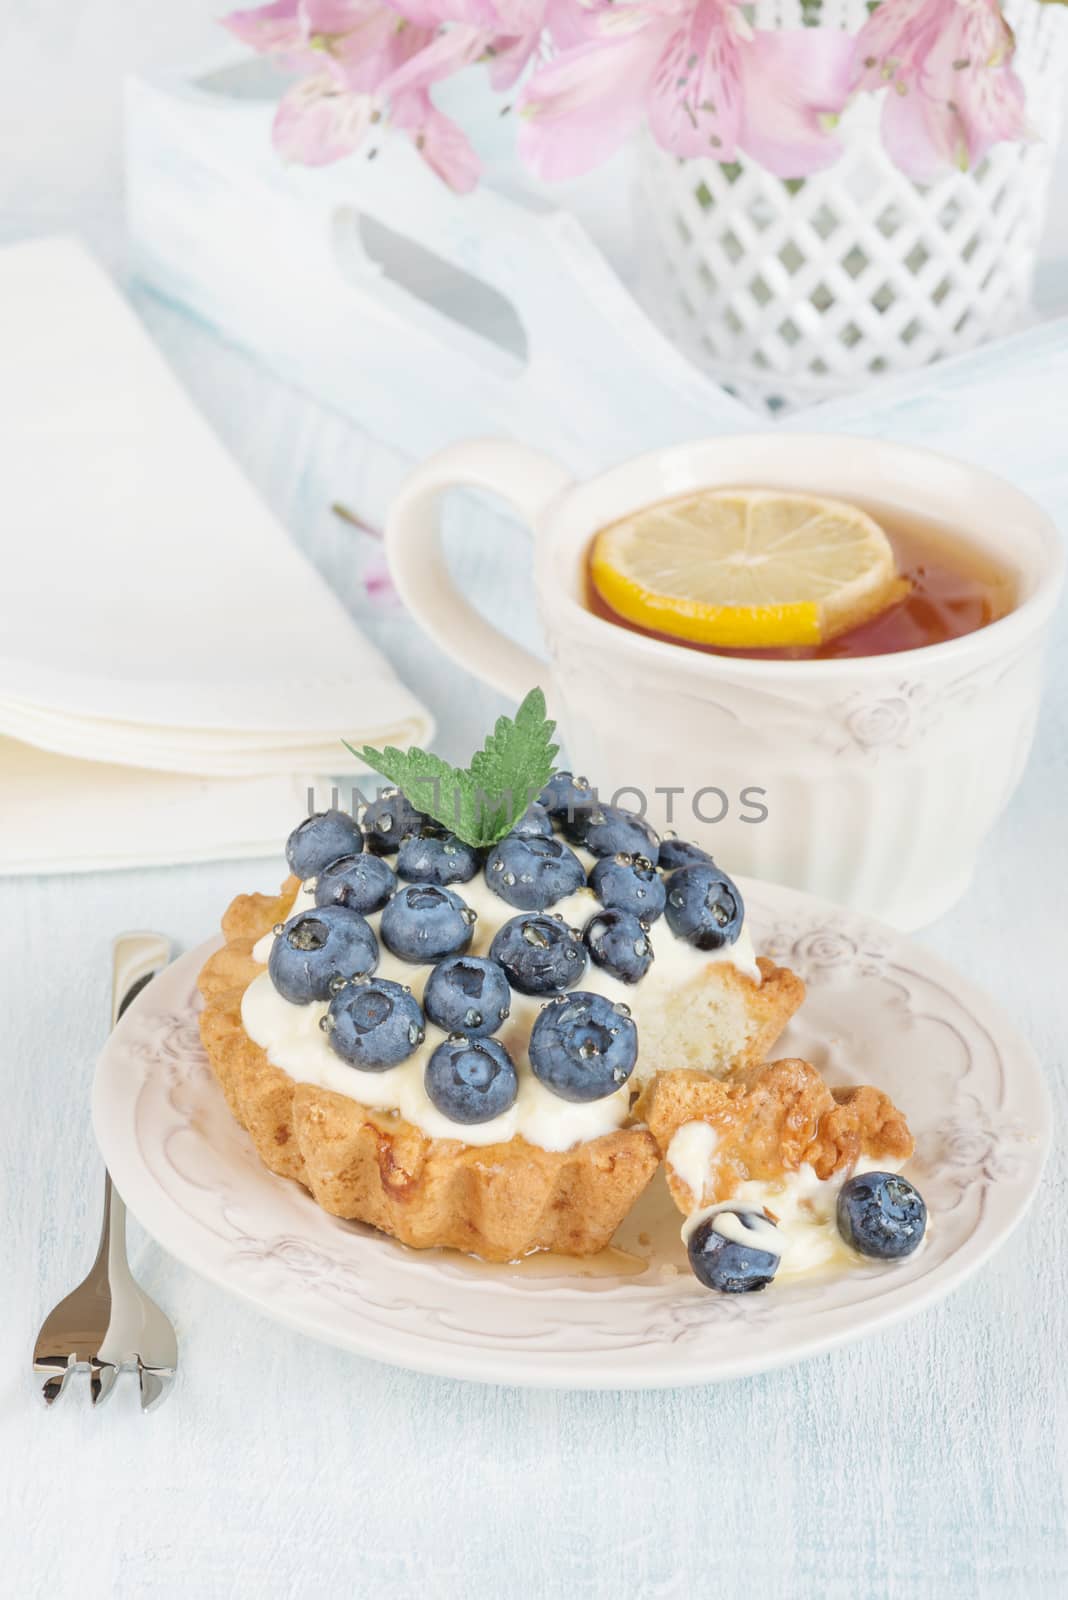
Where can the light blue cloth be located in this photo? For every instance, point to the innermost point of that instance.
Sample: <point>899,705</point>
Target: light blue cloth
<point>927,1462</point>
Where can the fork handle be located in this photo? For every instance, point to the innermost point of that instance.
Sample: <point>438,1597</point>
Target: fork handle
<point>135,958</point>
<point>111,1251</point>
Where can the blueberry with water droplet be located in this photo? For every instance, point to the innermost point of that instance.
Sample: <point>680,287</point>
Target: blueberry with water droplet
<point>320,839</point>
<point>424,922</point>
<point>675,853</point>
<point>535,823</point>
<point>471,1080</point>
<point>468,995</point>
<point>566,798</point>
<point>882,1215</point>
<point>375,1025</point>
<point>363,883</point>
<point>435,856</point>
<point>539,954</point>
<point>388,820</point>
<point>613,831</point>
<point>629,883</point>
<point>617,942</point>
<point>533,873</point>
<point>704,907</point>
<point>581,1049</point>
<point>316,947</point>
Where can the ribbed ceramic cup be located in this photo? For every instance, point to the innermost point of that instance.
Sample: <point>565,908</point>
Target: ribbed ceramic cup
<point>880,775</point>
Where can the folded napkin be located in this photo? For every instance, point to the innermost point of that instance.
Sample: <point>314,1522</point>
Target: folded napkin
<point>155,620</point>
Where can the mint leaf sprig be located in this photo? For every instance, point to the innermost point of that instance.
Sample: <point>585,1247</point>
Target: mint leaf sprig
<point>480,802</point>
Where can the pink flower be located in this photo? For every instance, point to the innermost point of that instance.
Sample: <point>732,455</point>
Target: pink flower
<point>369,64</point>
<point>709,84</point>
<point>513,29</point>
<point>444,147</point>
<point>951,92</point>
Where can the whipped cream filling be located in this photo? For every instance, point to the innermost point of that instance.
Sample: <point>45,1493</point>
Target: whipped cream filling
<point>802,1229</point>
<point>293,1040</point>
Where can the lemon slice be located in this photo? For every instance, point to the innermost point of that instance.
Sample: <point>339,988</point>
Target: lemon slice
<point>747,568</point>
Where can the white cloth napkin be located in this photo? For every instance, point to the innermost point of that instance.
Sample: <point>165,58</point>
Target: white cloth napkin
<point>154,617</point>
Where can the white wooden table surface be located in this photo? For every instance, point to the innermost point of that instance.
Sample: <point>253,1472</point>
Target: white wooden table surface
<point>930,1461</point>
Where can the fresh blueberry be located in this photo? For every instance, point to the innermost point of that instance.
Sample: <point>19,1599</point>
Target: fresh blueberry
<point>612,831</point>
<point>388,820</point>
<point>374,1025</point>
<point>317,950</point>
<point>680,853</point>
<point>363,883</point>
<point>434,856</point>
<point>728,1264</point>
<point>424,922</point>
<point>535,823</point>
<point>882,1215</point>
<point>617,942</point>
<point>471,1080</point>
<point>704,907</point>
<point>540,954</point>
<point>583,1047</point>
<point>467,994</point>
<point>320,839</point>
<point>533,873</point>
<point>568,799</point>
<point>629,883</point>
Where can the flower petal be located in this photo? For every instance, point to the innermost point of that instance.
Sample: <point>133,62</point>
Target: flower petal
<point>444,146</point>
<point>695,103</point>
<point>509,56</point>
<point>435,13</point>
<point>993,108</point>
<point>794,81</point>
<point>577,111</point>
<point>317,122</point>
<point>272,30</point>
<point>922,136</point>
<point>951,93</point>
<point>444,53</point>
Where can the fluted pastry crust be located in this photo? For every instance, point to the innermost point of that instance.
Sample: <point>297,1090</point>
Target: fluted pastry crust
<point>500,1201</point>
<point>496,1201</point>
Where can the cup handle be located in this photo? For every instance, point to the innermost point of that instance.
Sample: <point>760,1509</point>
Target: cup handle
<point>527,481</point>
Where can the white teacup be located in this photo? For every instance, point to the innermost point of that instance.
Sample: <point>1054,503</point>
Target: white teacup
<point>881,774</point>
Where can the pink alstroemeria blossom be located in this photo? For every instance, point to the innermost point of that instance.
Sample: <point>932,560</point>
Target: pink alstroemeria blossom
<point>369,64</point>
<point>951,92</point>
<point>709,84</point>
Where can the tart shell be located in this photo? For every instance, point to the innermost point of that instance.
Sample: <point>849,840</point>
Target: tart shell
<point>499,1202</point>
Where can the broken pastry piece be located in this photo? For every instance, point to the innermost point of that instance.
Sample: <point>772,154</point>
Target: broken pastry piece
<point>777,1174</point>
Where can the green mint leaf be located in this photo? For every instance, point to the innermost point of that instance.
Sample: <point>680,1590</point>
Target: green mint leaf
<point>444,792</point>
<point>480,803</point>
<point>514,764</point>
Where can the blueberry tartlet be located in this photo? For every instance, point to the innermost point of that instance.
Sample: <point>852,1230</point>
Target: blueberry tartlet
<point>444,1036</point>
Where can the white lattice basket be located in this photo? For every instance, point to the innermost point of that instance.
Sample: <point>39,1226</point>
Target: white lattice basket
<point>789,293</point>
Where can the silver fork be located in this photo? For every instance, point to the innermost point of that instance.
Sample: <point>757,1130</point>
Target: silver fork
<point>108,1322</point>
